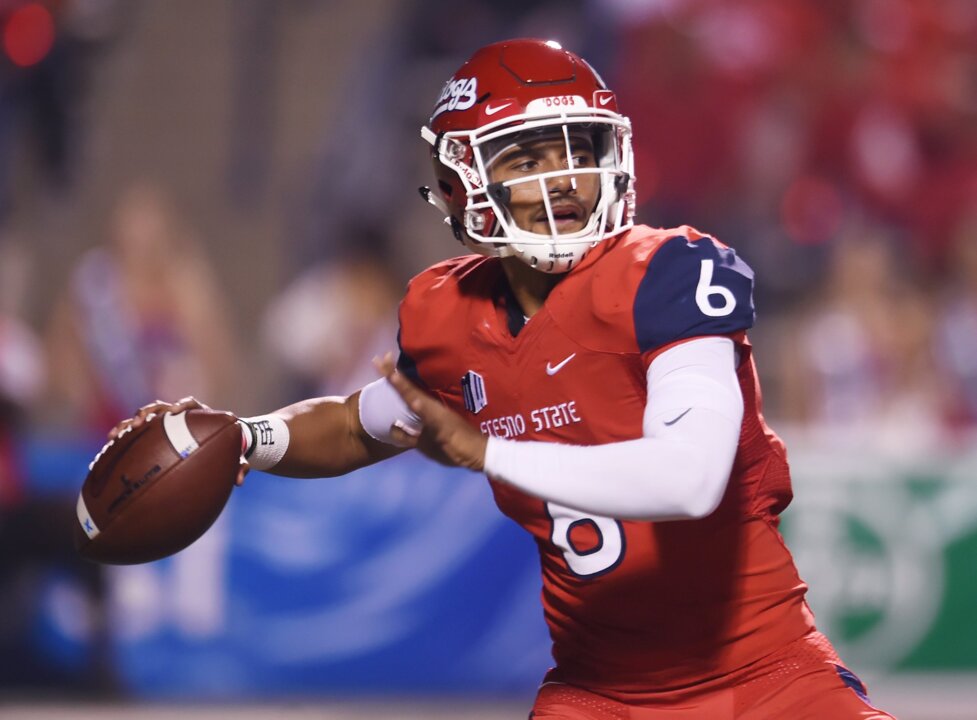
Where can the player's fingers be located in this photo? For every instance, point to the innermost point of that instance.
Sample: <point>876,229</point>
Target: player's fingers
<point>387,368</point>
<point>402,438</point>
<point>418,401</point>
<point>242,472</point>
<point>188,403</point>
<point>385,365</point>
<point>148,412</point>
<point>119,429</point>
<point>152,408</point>
<point>404,427</point>
<point>405,388</point>
<point>421,404</point>
<point>137,419</point>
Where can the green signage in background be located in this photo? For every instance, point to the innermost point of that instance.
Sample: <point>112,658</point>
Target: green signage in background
<point>889,548</point>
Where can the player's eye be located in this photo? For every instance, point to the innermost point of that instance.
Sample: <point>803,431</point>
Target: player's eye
<point>583,159</point>
<point>524,165</point>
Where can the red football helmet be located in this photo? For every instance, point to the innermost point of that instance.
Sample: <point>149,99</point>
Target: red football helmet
<point>505,94</point>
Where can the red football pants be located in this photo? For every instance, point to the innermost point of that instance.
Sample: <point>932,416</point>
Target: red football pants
<point>804,681</point>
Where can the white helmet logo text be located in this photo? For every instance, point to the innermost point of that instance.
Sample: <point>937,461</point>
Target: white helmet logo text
<point>457,95</point>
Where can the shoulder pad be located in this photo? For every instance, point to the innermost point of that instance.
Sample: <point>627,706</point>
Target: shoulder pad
<point>651,287</point>
<point>694,285</point>
<point>434,313</point>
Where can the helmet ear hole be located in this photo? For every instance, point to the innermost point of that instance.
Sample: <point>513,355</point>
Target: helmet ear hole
<point>445,188</point>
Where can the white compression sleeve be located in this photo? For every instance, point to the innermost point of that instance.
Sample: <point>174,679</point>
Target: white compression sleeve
<point>381,409</point>
<point>678,470</point>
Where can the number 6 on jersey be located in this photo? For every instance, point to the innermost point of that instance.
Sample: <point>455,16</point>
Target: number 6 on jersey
<point>705,288</point>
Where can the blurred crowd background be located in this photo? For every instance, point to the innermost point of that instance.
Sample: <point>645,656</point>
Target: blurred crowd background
<point>219,198</point>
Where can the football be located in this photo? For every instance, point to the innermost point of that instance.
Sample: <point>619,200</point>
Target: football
<point>154,490</point>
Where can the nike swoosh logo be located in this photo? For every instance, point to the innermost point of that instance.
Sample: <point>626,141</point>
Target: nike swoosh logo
<point>497,108</point>
<point>604,99</point>
<point>554,369</point>
<point>675,420</point>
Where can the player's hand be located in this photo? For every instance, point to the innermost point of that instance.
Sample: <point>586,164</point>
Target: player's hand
<point>148,412</point>
<point>160,407</point>
<point>242,468</point>
<point>445,437</point>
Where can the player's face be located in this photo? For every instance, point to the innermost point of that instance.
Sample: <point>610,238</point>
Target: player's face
<point>572,197</point>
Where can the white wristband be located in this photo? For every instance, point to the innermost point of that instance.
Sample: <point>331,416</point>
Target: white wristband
<point>267,440</point>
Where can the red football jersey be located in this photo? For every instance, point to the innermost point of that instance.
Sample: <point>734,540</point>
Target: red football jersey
<point>632,607</point>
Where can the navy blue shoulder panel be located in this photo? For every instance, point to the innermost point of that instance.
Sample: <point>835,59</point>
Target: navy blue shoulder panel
<point>692,289</point>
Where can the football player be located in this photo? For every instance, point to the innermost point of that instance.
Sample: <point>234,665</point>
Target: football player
<point>599,373</point>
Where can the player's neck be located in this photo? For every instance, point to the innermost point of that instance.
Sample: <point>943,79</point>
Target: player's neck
<point>530,287</point>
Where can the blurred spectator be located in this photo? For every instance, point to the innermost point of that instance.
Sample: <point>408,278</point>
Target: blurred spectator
<point>776,125</point>
<point>143,317</point>
<point>955,344</point>
<point>851,108</point>
<point>35,528</point>
<point>45,61</point>
<point>856,359</point>
<point>331,321</point>
<point>22,369</point>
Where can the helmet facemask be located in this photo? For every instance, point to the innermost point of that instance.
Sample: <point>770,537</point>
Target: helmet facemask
<point>487,221</point>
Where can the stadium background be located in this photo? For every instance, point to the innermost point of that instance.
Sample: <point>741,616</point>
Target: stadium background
<point>218,198</point>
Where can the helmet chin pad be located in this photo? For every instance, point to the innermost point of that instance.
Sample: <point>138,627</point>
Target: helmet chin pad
<point>553,259</point>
